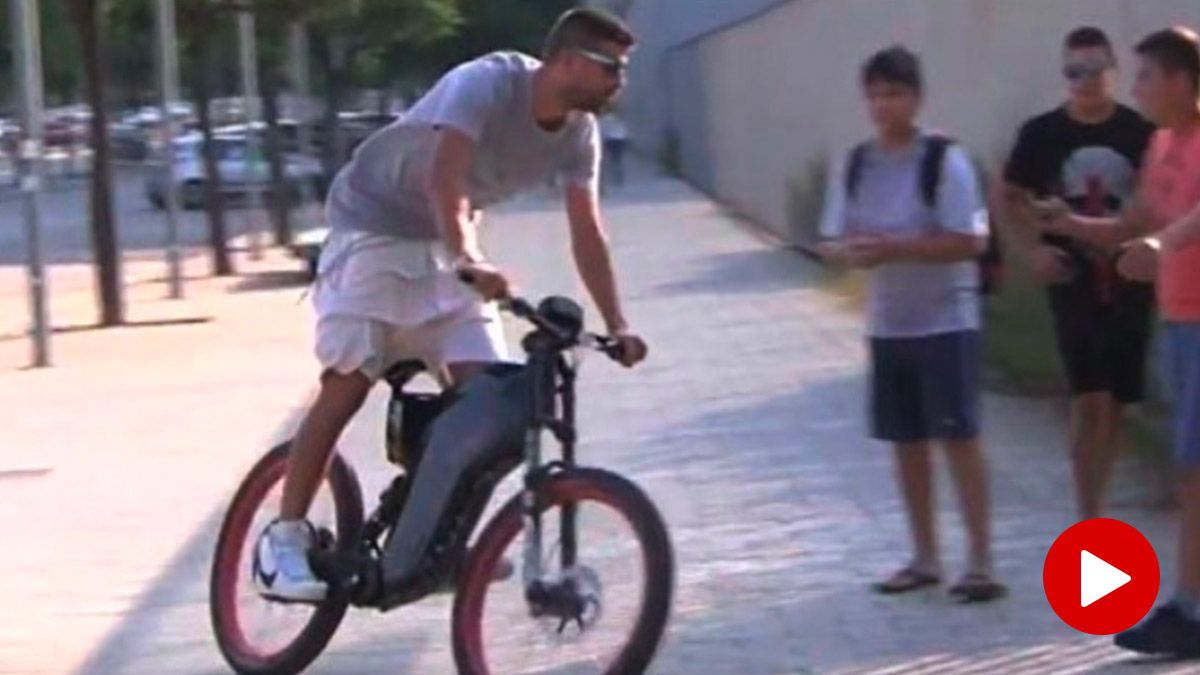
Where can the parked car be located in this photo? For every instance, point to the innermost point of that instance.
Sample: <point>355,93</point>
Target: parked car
<point>236,177</point>
<point>358,125</point>
<point>129,141</point>
<point>289,132</point>
<point>307,245</point>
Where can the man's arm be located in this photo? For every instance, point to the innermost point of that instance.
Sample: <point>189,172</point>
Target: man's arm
<point>1141,258</point>
<point>1133,222</point>
<point>589,244</point>
<point>831,229</point>
<point>943,247</point>
<point>455,216</point>
<point>1014,215</point>
<point>1023,173</point>
<point>447,191</point>
<point>1181,233</point>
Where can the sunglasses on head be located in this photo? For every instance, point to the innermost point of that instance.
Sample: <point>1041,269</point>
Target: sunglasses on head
<point>1084,71</point>
<point>612,65</point>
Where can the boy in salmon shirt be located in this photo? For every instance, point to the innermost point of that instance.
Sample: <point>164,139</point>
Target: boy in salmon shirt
<point>1168,206</point>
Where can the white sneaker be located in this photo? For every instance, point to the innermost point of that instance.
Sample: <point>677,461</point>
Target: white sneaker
<point>281,570</point>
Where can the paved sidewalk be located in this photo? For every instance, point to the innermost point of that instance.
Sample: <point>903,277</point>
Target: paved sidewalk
<point>114,459</point>
<point>745,426</point>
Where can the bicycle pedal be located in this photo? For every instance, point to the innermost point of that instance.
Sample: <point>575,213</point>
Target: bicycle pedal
<point>339,569</point>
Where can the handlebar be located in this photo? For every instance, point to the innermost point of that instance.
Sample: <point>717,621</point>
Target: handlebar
<point>523,309</point>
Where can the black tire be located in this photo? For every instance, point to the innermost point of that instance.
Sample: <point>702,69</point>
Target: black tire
<point>572,486</point>
<point>227,561</point>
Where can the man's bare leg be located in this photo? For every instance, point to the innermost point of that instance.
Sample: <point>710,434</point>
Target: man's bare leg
<point>1188,493</point>
<point>914,473</point>
<point>969,470</point>
<point>339,399</point>
<point>1108,433</point>
<point>1094,422</point>
<point>281,567</point>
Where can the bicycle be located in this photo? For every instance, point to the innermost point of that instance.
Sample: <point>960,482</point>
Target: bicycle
<point>552,596</point>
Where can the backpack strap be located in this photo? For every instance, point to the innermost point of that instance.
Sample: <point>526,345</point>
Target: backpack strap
<point>932,162</point>
<point>854,169</point>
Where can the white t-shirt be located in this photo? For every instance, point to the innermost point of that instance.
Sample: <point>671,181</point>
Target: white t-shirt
<point>383,188</point>
<point>912,299</point>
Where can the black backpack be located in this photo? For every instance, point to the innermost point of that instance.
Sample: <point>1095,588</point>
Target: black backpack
<point>991,261</point>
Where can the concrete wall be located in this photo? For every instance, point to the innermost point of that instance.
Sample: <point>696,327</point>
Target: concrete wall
<point>761,94</point>
<point>661,25</point>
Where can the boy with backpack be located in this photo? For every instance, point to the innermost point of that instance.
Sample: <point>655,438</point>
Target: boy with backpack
<point>907,207</point>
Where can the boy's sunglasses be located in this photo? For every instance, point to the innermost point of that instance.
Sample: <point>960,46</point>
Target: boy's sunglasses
<point>612,65</point>
<point>1076,72</point>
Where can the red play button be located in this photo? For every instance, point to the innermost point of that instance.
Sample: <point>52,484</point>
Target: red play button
<point>1101,576</point>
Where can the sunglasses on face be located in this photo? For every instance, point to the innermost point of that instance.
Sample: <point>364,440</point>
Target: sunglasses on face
<point>1076,72</point>
<point>611,65</point>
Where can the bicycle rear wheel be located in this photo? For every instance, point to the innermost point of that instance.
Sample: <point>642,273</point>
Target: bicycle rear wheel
<point>623,585</point>
<point>259,636</point>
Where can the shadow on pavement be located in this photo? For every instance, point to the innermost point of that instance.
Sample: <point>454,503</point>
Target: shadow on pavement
<point>745,272</point>
<point>272,281</point>
<point>182,582</point>
<point>128,325</point>
<point>170,616</point>
<point>168,629</point>
<point>802,517</point>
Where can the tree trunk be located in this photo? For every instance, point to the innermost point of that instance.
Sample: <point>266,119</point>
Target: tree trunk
<point>214,202</point>
<point>329,150</point>
<point>280,199</point>
<point>335,144</point>
<point>336,59</point>
<point>103,225</point>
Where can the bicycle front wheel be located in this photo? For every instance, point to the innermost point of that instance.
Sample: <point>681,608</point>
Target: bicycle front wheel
<point>618,586</point>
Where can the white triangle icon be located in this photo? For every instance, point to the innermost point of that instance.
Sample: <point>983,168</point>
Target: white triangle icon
<point>1097,578</point>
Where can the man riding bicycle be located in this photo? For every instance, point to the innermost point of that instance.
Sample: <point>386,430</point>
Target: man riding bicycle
<point>404,215</point>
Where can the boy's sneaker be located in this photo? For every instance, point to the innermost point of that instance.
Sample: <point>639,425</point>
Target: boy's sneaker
<point>281,570</point>
<point>1168,631</point>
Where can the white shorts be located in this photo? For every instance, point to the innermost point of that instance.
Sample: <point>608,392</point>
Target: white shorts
<point>381,300</point>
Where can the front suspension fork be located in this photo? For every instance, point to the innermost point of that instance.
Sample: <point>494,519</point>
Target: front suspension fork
<point>531,568</point>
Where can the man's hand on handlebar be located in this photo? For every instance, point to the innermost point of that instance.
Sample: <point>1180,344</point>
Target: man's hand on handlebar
<point>631,349</point>
<point>623,346</point>
<point>487,279</point>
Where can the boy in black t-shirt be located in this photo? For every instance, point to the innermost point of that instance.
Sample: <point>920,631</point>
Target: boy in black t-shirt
<point>1087,152</point>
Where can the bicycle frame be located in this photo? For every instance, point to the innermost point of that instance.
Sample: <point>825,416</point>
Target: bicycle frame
<point>552,399</point>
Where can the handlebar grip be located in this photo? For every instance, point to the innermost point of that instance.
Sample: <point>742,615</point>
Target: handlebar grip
<point>515,305</point>
<point>613,348</point>
<point>521,308</point>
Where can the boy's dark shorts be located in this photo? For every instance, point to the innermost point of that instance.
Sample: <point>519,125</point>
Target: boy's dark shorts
<point>925,388</point>
<point>1103,342</point>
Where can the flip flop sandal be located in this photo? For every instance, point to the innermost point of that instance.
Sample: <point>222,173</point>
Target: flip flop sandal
<point>907,580</point>
<point>976,587</point>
